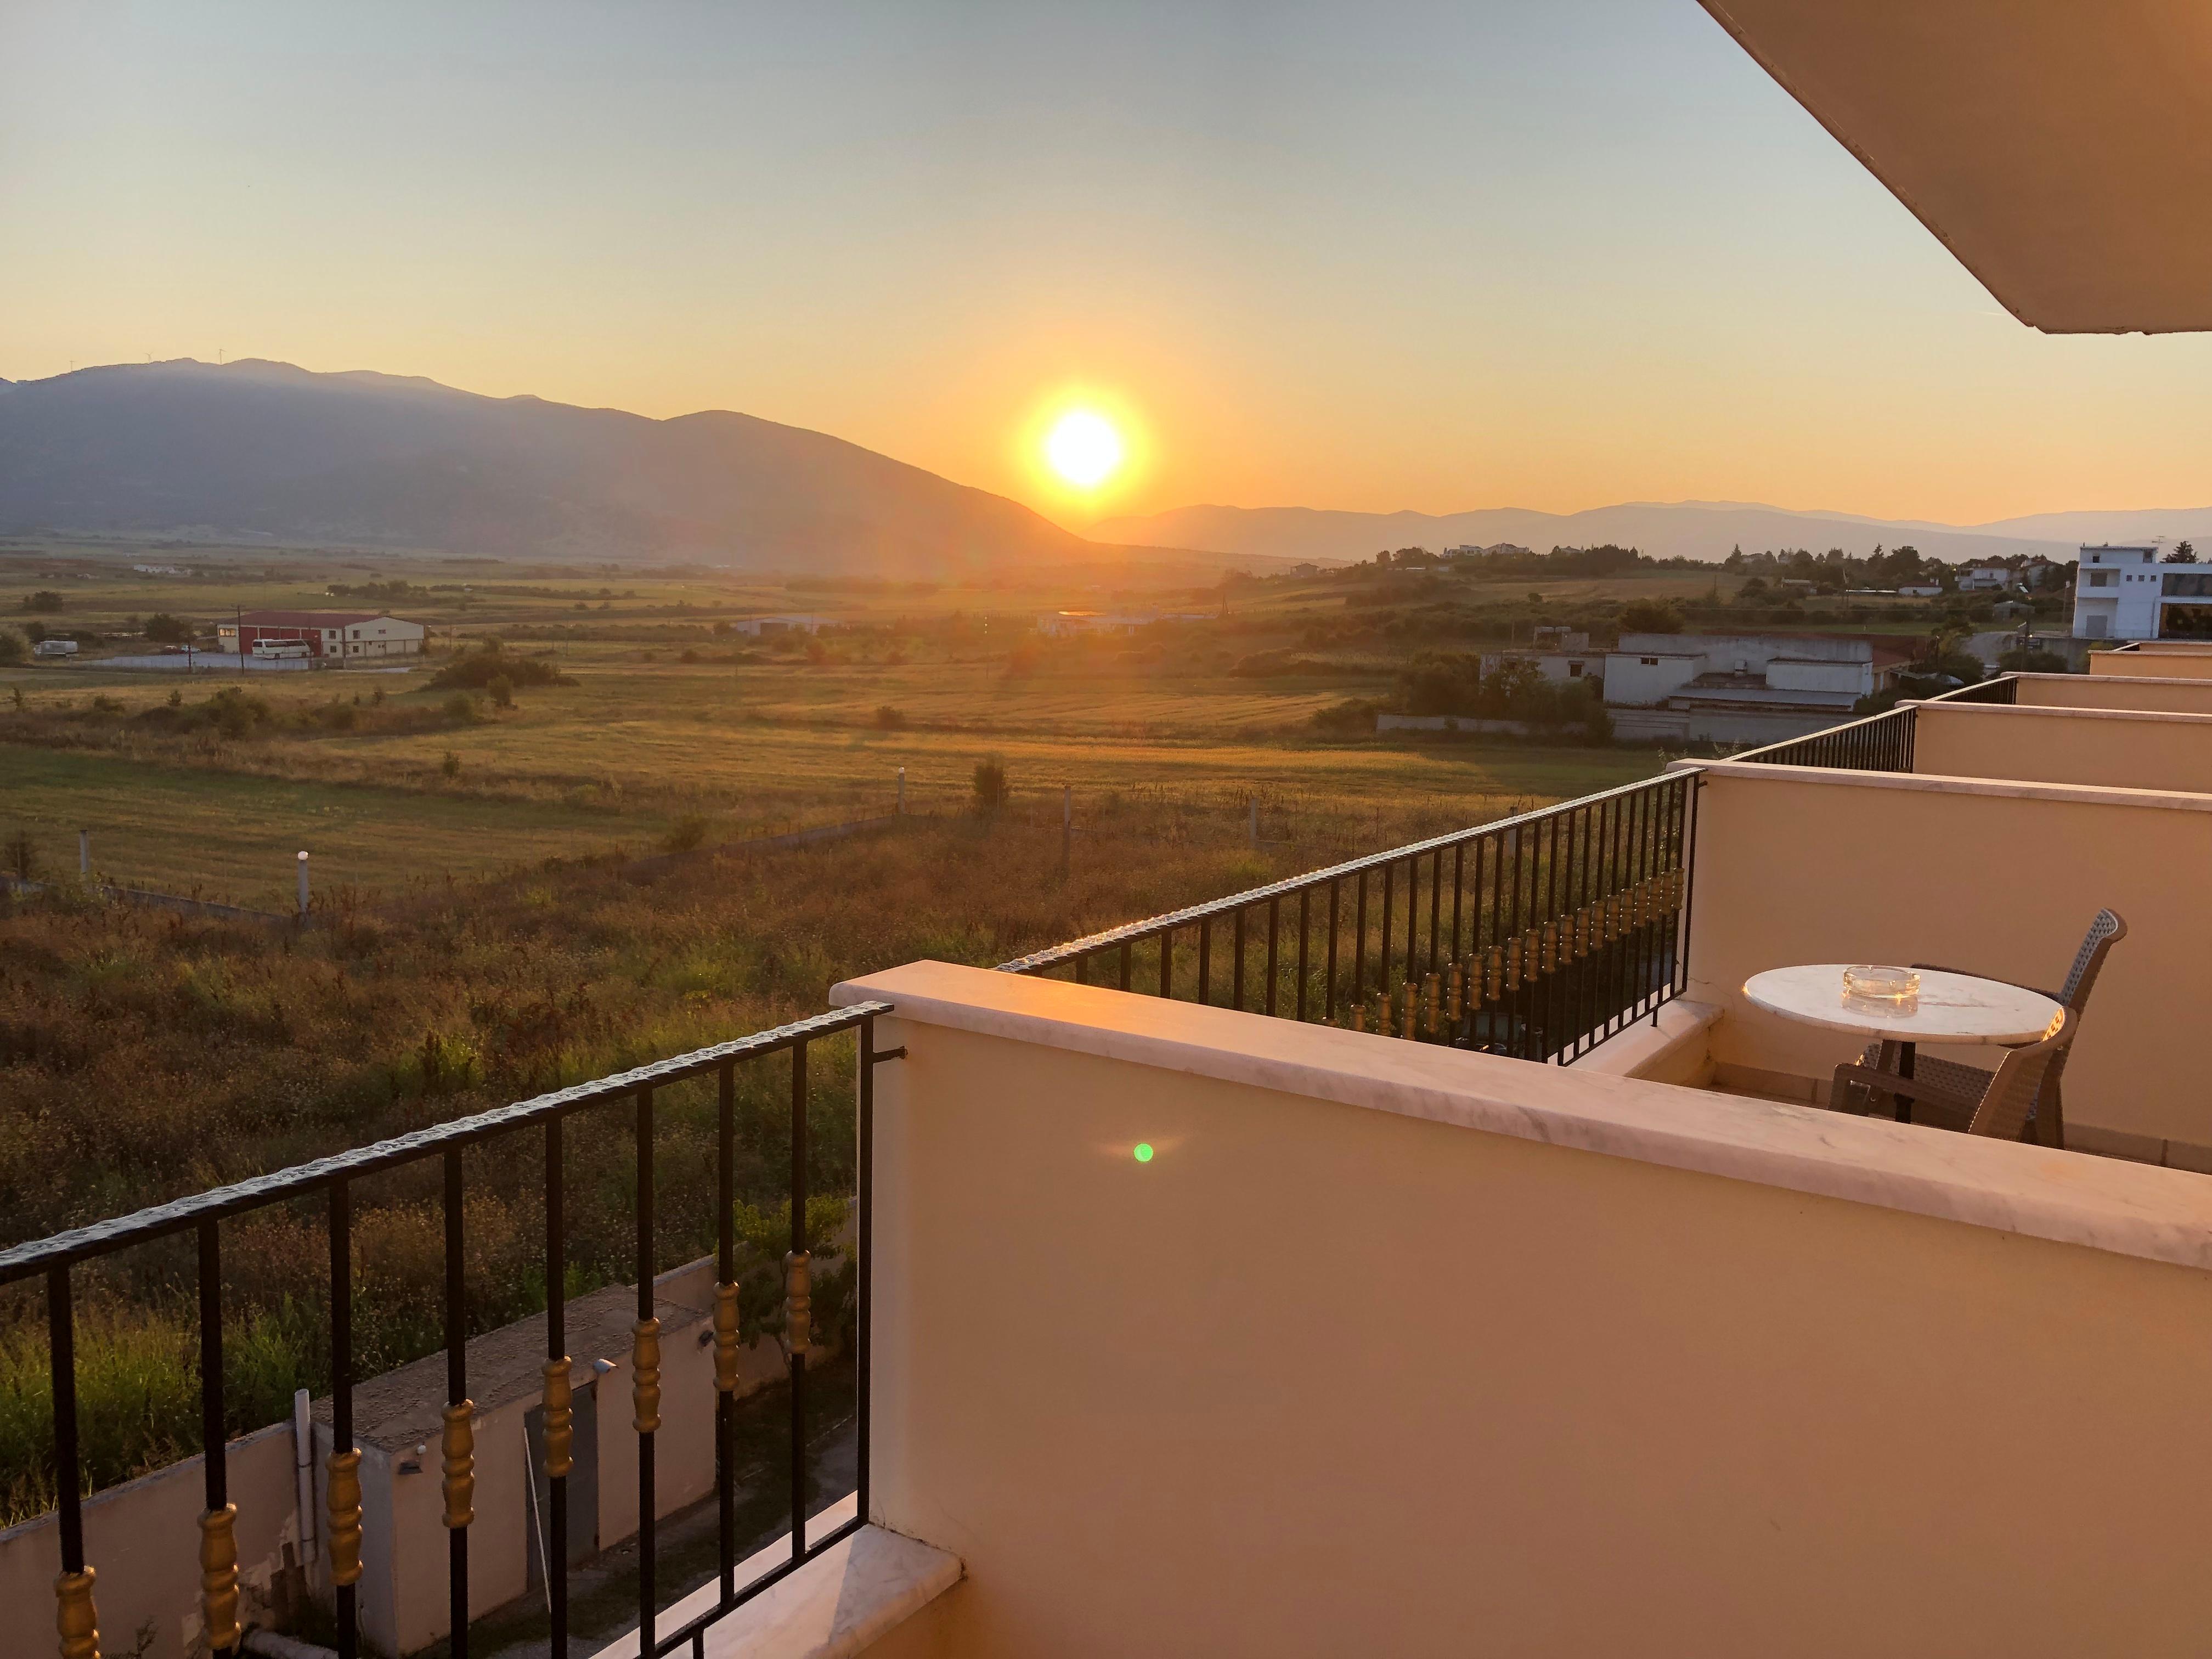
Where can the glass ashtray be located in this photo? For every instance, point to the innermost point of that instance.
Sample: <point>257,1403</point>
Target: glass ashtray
<point>1866,983</point>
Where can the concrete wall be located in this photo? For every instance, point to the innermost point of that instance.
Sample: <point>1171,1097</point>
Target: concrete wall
<point>2114,691</point>
<point>1321,1379</point>
<point>142,1541</point>
<point>1795,865</point>
<point>2121,749</point>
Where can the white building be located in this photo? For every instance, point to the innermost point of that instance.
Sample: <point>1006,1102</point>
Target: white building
<point>757,625</point>
<point>1985,579</point>
<point>1737,688</point>
<point>2125,593</point>
<point>333,635</point>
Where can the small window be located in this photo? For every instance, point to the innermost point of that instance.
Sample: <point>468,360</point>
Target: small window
<point>1574,671</point>
<point>2100,579</point>
<point>1649,662</point>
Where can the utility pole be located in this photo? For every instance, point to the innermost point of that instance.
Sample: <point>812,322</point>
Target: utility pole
<point>303,884</point>
<point>899,809</point>
<point>1067,824</point>
<point>238,616</point>
<point>1252,802</point>
<point>84,853</point>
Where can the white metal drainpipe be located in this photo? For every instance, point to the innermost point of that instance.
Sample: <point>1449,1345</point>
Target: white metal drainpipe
<point>303,1470</point>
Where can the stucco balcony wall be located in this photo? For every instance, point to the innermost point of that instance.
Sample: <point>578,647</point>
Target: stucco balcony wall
<point>1399,1350</point>
<point>2121,749</point>
<point>2155,692</point>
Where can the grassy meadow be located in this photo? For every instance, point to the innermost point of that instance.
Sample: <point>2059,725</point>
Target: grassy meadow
<point>486,934</point>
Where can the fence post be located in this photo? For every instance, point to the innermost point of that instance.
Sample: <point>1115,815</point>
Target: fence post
<point>303,883</point>
<point>1066,823</point>
<point>900,809</point>
<point>1253,803</point>
<point>84,853</point>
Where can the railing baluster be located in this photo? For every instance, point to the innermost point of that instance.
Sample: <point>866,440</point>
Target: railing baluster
<point>218,1523</point>
<point>645,1375</point>
<point>1359,943</point>
<point>1459,896</point>
<point>1329,1011</point>
<point>459,1445</point>
<point>799,1298</point>
<point>864,1237</point>
<point>345,1477</point>
<point>1237,971</point>
<point>1435,905</point>
<point>1167,963</point>
<point>75,1616</point>
<point>1389,896</point>
<point>1125,964</point>
<point>1206,960</point>
<point>559,1420</point>
<point>1305,939</point>
<point>1274,929</point>
<point>726,1320</point>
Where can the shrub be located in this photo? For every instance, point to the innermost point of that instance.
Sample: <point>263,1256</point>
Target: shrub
<point>162,629</point>
<point>2031,662</point>
<point>104,704</point>
<point>336,716</point>
<point>13,649</point>
<point>237,712</point>
<point>1350,718</point>
<point>22,855</point>
<point>891,718</point>
<point>460,706</point>
<point>990,786</point>
<point>451,766</point>
<point>686,834</point>
<point>44,599</point>
<point>475,670</point>
<point>502,691</point>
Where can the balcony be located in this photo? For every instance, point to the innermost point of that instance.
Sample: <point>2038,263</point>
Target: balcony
<point>1356,1264</point>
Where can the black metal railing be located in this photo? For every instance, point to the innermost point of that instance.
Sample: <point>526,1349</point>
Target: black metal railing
<point>1538,935</point>
<point>1879,742</point>
<point>332,1180</point>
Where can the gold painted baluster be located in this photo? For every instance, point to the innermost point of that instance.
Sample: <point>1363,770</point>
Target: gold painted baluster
<point>560,1420</point>
<point>726,1338</point>
<point>644,1375</point>
<point>74,1617</point>
<point>344,1505</point>
<point>798,1302</point>
<point>459,1449</point>
<point>219,1578</point>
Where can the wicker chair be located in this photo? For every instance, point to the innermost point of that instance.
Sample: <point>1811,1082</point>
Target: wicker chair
<point>2007,1100</point>
<point>1951,1091</point>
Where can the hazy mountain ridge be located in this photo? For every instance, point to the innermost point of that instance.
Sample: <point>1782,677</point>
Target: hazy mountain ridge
<point>270,450</point>
<point>1697,530</point>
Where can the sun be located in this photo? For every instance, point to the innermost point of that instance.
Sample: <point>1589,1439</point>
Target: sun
<point>1083,448</point>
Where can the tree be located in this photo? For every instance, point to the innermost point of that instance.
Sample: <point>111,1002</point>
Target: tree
<point>2184,553</point>
<point>162,629</point>
<point>12,648</point>
<point>990,786</point>
<point>44,599</point>
<point>1653,616</point>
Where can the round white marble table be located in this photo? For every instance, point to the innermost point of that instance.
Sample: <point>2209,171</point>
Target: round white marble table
<point>1952,1008</point>
<point>1956,1008</point>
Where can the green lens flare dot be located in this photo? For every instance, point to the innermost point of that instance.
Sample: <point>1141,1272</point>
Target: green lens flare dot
<point>1144,1151</point>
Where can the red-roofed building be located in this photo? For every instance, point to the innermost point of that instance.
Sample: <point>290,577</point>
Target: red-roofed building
<point>342,635</point>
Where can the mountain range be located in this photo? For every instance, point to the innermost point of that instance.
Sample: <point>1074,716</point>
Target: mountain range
<point>1696,530</point>
<point>267,451</point>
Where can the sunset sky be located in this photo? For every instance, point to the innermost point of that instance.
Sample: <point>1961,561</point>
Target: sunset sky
<point>1547,253</point>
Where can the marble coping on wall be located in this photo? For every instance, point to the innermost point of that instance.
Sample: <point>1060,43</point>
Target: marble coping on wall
<point>2131,1209</point>
<point>2048,711</point>
<point>2085,794</point>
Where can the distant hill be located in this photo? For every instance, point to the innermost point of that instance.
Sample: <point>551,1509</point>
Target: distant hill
<point>265,450</point>
<point>1696,530</point>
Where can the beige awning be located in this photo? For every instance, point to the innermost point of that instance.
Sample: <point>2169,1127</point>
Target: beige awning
<point>2061,148</point>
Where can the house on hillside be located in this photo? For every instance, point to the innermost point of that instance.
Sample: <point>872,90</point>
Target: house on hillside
<point>328,636</point>
<point>759,626</point>
<point>1985,579</point>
